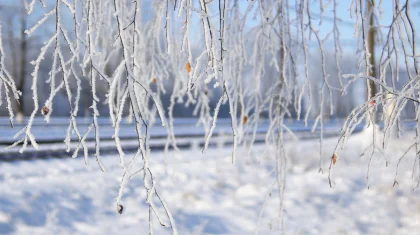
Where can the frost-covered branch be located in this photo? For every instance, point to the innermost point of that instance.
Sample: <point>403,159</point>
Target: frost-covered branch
<point>251,57</point>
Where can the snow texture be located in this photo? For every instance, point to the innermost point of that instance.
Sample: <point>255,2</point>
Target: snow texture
<point>208,195</point>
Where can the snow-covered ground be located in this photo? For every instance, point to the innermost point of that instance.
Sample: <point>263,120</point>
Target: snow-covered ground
<point>208,195</point>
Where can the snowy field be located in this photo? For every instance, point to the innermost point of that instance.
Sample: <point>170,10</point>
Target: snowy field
<point>208,195</point>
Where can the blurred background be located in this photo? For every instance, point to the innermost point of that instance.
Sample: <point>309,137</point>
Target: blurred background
<point>21,50</point>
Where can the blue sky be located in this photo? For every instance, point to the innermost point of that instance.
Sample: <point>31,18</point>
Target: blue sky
<point>346,27</point>
<point>347,31</point>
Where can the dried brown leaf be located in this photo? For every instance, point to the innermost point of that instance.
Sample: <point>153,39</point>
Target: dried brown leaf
<point>120,209</point>
<point>244,119</point>
<point>334,158</point>
<point>188,67</point>
<point>45,110</point>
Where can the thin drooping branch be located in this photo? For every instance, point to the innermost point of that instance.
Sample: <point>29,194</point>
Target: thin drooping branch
<point>8,82</point>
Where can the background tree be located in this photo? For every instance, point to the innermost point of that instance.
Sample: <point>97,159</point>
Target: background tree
<point>17,44</point>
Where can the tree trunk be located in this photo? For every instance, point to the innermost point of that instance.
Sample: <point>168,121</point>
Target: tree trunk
<point>371,88</point>
<point>22,73</point>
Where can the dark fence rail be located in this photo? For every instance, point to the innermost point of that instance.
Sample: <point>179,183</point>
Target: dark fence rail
<point>50,136</point>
